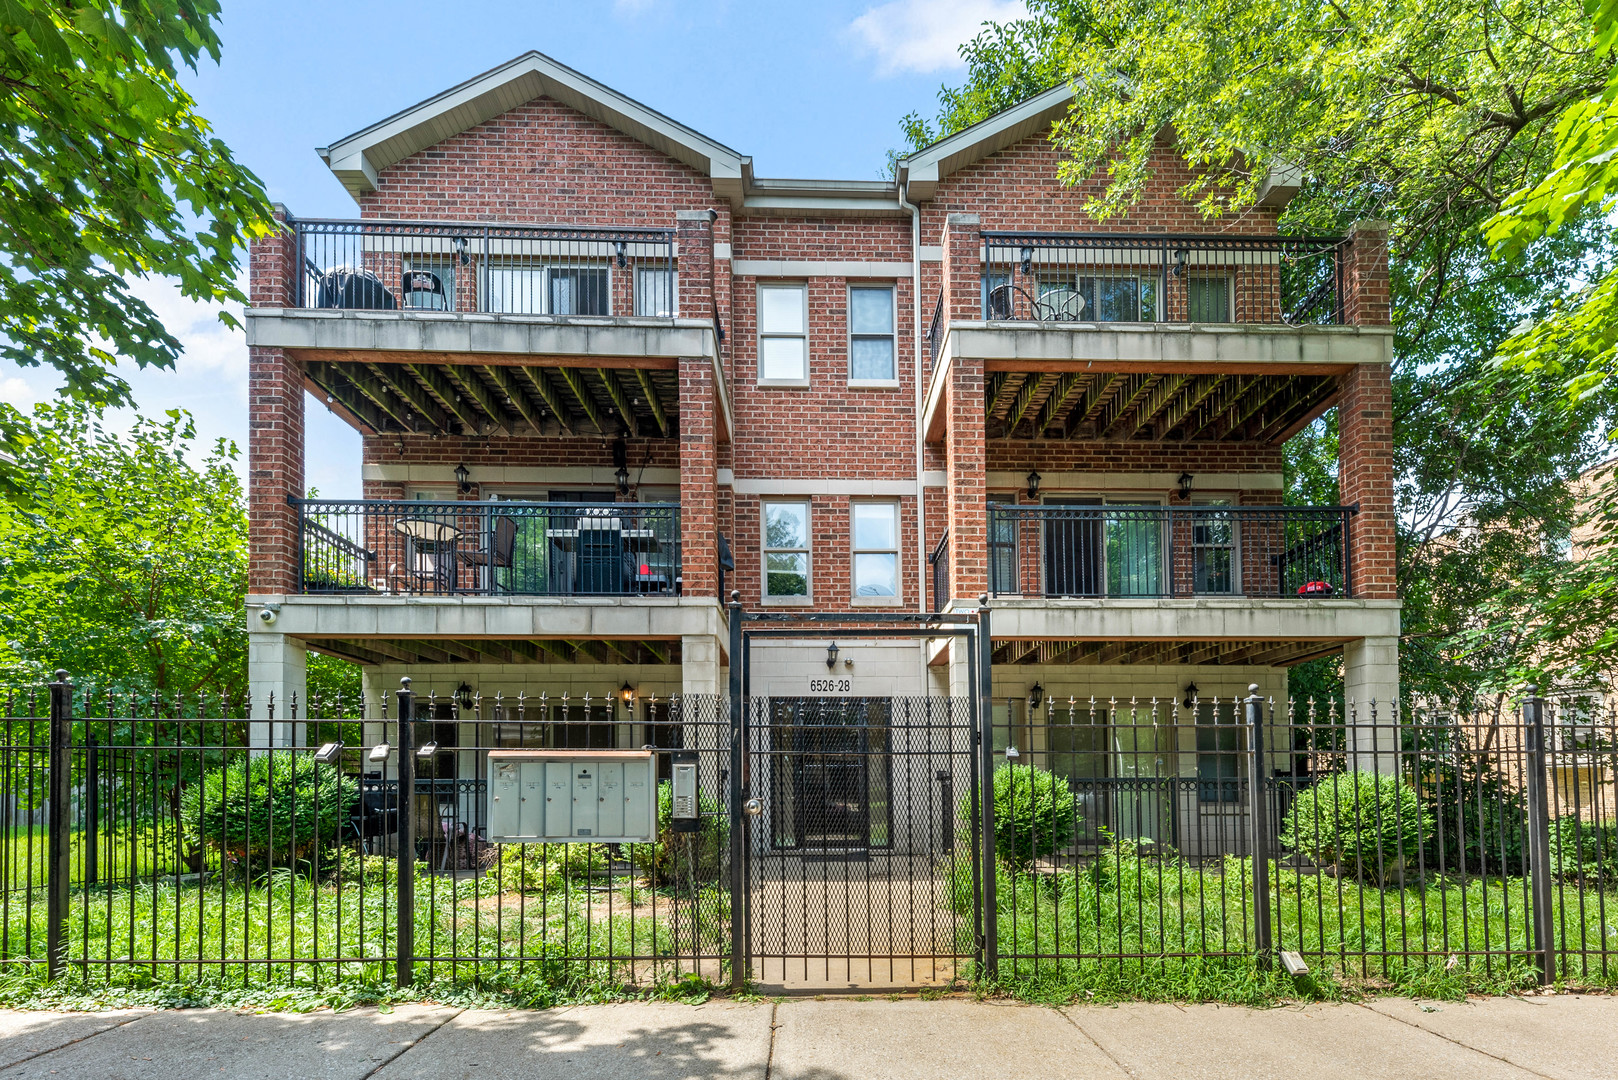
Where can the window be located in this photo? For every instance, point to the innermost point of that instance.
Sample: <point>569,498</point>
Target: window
<point>876,549</point>
<point>547,290</point>
<point>1123,297</point>
<point>654,292</point>
<point>786,550</point>
<point>783,333</point>
<point>1219,752</point>
<point>1111,547</point>
<point>1213,548</point>
<point>870,335</point>
<point>1208,298</point>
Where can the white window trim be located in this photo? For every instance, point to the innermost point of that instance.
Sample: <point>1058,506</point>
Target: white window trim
<point>764,550</point>
<point>1226,502</point>
<point>848,338</point>
<point>545,271</point>
<point>898,599</point>
<point>674,290</point>
<point>760,335</point>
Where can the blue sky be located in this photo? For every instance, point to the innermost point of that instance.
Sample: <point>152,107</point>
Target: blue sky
<point>808,89</point>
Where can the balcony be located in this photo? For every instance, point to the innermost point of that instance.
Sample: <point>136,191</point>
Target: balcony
<point>1106,552</point>
<point>496,548</point>
<point>485,268</point>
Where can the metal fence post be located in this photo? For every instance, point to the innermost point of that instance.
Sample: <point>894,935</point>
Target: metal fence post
<point>56,845</point>
<point>738,848</point>
<point>405,936</point>
<point>1258,825</point>
<point>92,825</point>
<point>985,692</point>
<point>1539,836</point>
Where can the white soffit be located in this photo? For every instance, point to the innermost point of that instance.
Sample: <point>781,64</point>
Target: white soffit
<point>358,158</point>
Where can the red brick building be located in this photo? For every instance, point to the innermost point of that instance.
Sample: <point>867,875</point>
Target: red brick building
<point>604,374</point>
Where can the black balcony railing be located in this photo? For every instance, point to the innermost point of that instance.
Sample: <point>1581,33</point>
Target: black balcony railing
<point>509,269</point>
<point>939,561</point>
<point>489,548</point>
<point>1133,277</point>
<point>1116,551</point>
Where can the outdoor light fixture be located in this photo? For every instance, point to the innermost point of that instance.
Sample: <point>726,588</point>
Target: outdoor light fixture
<point>622,261</point>
<point>620,458</point>
<point>329,752</point>
<point>380,751</point>
<point>831,656</point>
<point>622,476</point>
<point>1033,484</point>
<point>464,695</point>
<point>1036,694</point>
<point>1180,256</point>
<point>1185,485</point>
<point>463,479</point>
<point>1027,254</point>
<point>427,749</point>
<point>1191,696</point>
<point>627,693</point>
<point>460,250</point>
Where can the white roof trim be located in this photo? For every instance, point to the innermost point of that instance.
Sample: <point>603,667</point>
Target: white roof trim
<point>921,171</point>
<point>358,158</point>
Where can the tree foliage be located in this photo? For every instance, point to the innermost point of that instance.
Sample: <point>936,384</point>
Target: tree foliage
<point>107,171</point>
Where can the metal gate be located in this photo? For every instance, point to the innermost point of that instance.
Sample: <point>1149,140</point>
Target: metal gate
<point>857,862</point>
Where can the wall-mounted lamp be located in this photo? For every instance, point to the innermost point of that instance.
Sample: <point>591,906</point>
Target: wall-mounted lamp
<point>1180,257</point>
<point>1190,696</point>
<point>831,656</point>
<point>622,478</point>
<point>1184,481</point>
<point>1033,484</point>
<point>329,752</point>
<point>626,693</point>
<point>1027,254</point>
<point>460,250</point>
<point>1036,697</point>
<point>622,260</point>
<point>464,696</point>
<point>463,479</point>
<point>620,458</point>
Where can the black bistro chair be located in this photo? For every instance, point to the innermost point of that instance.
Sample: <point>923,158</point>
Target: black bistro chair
<point>498,554</point>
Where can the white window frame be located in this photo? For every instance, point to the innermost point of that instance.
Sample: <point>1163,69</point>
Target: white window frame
<point>897,551</point>
<point>544,271</point>
<point>807,550</point>
<point>802,288</point>
<point>1218,502</point>
<point>674,290</point>
<point>892,336</point>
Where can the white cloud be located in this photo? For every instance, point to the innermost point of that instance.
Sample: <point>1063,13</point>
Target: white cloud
<point>18,392</point>
<point>922,36</point>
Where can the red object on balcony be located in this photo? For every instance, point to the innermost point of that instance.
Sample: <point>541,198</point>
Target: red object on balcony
<point>645,569</point>
<point>1316,588</point>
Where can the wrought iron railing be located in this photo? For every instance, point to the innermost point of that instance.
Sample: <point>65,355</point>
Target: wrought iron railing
<point>939,561</point>
<point>1134,277</point>
<point>480,267</point>
<point>491,548</point>
<point>1107,551</point>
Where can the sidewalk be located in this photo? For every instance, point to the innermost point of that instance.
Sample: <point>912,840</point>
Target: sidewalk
<point>1566,1038</point>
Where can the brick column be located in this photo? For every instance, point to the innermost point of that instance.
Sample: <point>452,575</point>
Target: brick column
<point>1365,477</point>
<point>962,249</point>
<point>274,428</point>
<point>693,236</point>
<point>1367,299</point>
<point>964,456</point>
<point>699,492</point>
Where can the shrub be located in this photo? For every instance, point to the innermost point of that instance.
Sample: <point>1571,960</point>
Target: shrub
<point>1584,849</point>
<point>1480,819</point>
<point>269,809</point>
<point>684,857</point>
<point>548,867</point>
<point>1035,814</point>
<point>1368,824</point>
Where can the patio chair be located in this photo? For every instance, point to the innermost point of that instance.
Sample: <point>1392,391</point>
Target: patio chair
<point>498,554</point>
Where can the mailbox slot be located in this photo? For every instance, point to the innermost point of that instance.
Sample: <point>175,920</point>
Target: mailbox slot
<point>565,796</point>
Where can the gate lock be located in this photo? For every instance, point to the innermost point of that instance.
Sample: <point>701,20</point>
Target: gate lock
<point>754,807</point>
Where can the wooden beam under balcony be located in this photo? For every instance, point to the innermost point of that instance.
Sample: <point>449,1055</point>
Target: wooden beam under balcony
<point>373,650</point>
<point>1163,652</point>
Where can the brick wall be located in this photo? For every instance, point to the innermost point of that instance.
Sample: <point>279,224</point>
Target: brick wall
<point>1365,477</point>
<point>274,427</point>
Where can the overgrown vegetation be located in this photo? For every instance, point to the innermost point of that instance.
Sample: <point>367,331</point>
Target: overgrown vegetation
<point>269,810</point>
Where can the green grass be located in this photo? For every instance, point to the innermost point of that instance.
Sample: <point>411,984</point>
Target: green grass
<point>1191,929</point>
<point>120,853</point>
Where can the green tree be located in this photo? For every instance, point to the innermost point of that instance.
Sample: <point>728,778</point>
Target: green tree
<point>1424,113</point>
<point>107,171</point>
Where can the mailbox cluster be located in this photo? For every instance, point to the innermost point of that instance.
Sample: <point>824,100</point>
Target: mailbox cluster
<point>562,796</point>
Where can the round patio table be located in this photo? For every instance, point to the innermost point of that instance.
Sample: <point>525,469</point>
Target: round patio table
<point>434,556</point>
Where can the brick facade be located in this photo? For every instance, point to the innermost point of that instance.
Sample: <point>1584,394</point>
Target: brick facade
<point>544,163</point>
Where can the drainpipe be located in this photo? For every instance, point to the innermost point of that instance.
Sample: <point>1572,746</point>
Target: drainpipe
<point>921,392</point>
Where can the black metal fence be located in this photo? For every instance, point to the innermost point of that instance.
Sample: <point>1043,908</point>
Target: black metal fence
<point>1132,277</point>
<point>377,265</point>
<point>154,840</point>
<point>939,561</point>
<point>489,548</point>
<point>1114,550</point>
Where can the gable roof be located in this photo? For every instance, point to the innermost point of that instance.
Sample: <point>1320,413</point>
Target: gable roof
<point>358,158</point>
<point>920,172</point>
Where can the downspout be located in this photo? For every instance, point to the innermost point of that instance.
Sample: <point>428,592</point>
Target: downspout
<point>921,392</point>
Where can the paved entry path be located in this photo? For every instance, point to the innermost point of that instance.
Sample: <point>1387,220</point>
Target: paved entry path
<point>1563,1038</point>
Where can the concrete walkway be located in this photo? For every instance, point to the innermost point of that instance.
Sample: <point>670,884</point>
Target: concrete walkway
<point>1564,1038</point>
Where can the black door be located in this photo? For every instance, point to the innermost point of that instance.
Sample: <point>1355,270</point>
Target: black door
<point>1073,555</point>
<point>831,773</point>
